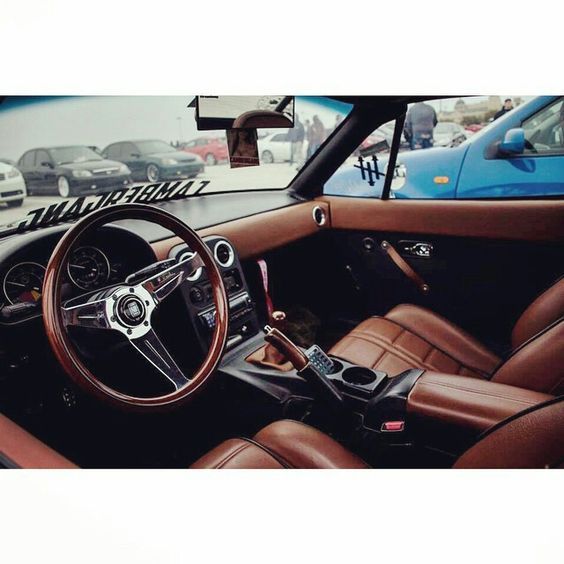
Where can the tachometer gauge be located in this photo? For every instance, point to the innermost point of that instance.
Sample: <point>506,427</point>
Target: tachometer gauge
<point>88,268</point>
<point>23,283</point>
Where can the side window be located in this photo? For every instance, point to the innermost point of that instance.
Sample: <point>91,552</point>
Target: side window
<point>280,137</point>
<point>362,175</point>
<point>41,157</point>
<point>459,148</point>
<point>127,149</point>
<point>544,131</point>
<point>113,151</point>
<point>28,160</point>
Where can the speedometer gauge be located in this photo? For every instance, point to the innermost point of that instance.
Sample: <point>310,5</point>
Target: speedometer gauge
<point>23,283</point>
<point>88,268</point>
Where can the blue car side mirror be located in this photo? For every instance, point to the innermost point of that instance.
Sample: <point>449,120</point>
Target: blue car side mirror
<point>513,142</point>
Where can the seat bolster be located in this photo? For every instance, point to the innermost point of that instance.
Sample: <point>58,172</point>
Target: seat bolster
<point>302,446</point>
<point>533,438</point>
<point>545,310</point>
<point>538,364</point>
<point>445,336</point>
<point>237,454</point>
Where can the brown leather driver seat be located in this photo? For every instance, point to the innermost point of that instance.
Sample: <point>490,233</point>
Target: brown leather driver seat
<point>410,336</point>
<point>533,438</point>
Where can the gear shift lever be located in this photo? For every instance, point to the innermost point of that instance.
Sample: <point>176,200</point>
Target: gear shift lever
<point>313,364</point>
<point>272,354</point>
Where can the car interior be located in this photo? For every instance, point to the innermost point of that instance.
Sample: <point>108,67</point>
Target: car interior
<point>286,328</point>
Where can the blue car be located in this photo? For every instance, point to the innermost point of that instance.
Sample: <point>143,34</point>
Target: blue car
<point>519,155</point>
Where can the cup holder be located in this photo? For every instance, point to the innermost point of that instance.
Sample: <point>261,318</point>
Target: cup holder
<point>337,366</point>
<point>359,376</point>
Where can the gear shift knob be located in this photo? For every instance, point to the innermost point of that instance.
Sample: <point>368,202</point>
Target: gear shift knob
<point>278,320</point>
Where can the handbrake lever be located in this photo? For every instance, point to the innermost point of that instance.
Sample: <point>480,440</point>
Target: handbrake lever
<point>313,364</point>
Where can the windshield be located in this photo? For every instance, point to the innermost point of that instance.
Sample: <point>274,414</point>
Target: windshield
<point>68,155</point>
<point>157,140</point>
<point>148,147</point>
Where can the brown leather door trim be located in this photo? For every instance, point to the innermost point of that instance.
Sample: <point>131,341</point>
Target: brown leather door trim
<point>257,234</point>
<point>530,220</point>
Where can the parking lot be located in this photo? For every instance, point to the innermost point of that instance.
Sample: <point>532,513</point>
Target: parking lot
<point>221,178</point>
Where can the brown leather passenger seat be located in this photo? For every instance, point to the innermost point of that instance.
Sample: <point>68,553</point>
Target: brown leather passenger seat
<point>410,336</point>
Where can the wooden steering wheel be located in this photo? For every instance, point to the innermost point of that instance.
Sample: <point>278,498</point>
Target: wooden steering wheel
<point>127,308</point>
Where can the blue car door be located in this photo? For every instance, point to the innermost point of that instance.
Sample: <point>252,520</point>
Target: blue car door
<point>537,171</point>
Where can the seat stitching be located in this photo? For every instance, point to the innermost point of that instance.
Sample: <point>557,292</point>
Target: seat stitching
<point>402,353</point>
<point>473,368</point>
<point>379,359</point>
<point>428,353</point>
<point>393,351</point>
<point>557,385</point>
<point>234,453</point>
<point>393,341</point>
<point>470,391</point>
<point>278,457</point>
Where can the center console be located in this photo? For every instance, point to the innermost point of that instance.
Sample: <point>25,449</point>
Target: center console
<point>197,295</point>
<point>439,414</point>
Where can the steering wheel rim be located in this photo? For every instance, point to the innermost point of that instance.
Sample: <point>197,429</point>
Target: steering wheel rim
<point>56,316</point>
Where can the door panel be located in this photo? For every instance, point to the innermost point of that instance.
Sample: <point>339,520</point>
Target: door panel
<point>482,271</point>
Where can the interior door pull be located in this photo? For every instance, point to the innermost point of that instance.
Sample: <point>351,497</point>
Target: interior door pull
<point>400,262</point>
<point>416,248</point>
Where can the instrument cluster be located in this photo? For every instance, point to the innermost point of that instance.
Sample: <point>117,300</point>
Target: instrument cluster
<point>99,261</point>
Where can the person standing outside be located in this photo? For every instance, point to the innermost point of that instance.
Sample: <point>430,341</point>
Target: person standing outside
<point>507,107</point>
<point>420,122</point>
<point>297,135</point>
<point>308,133</point>
<point>317,134</point>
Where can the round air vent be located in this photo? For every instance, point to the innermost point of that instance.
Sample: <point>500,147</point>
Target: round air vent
<point>197,273</point>
<point>319,216</point>
<point>224,253</point>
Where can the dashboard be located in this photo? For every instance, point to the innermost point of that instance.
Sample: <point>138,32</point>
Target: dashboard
<point>108,256</point>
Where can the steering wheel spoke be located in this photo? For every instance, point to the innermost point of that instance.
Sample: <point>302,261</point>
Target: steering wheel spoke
<point>151,347</point>
<point>165,282</point>
<point>91,314</point>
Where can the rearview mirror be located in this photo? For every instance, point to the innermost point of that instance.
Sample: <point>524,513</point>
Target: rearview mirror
<point>47,164</point>
<point>513,142</point>
<point>244,112</point>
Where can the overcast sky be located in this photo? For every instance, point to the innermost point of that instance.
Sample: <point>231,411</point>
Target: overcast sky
<point>94,121</point>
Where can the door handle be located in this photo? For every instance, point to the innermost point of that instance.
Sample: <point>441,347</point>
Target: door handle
<point>401,263</point>
<point>419,249</point>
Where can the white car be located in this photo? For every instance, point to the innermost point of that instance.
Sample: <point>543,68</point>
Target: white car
<point>12,186</point>
<point>275,148</point>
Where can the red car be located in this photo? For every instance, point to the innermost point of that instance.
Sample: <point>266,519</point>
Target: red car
<point>211,149</point>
